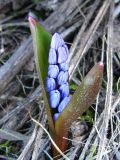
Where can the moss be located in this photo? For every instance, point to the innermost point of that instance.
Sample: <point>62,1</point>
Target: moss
<point>7,149</point>
<point>88,116</point>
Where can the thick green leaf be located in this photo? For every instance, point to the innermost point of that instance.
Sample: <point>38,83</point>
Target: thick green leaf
<point>81,100</point>
<point>41,43</point>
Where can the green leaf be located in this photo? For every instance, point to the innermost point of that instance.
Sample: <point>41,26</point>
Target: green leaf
<point>41,43</point>
<point>81,100</point>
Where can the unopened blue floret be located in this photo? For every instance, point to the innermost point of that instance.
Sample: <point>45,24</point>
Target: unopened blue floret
<point>64,90</point>
<point>50,84</point>
<point>63,104</point>
<point>64,66</point>
<point>52,59</point>
<point>53,71</point>
<point>54,98</point>
<point>62,77</point>
<point>56,41</point>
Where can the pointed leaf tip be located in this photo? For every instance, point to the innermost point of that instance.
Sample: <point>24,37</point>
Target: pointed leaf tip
<point>32,18</point>
<point>101,65</point>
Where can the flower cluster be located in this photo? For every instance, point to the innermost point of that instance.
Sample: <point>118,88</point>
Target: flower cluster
<point>57,79</point>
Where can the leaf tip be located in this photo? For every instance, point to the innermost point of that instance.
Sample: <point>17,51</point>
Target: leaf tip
<point>32,18</point>
<point>101,65</point>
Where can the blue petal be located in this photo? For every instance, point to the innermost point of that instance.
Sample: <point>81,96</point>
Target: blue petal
<point>64,66</point>
<point>50,84</point>
<point>62,77</point>
<point>64,90</point>
<point>56,41</point>
<point>62,56</point>
<point>54,98</point>
<point>52,56</point>
<point>53,71</point>
<point>63,104</point>
<point>55,116</point>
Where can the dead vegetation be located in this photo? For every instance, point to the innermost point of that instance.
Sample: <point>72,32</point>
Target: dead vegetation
<point>91,29</point>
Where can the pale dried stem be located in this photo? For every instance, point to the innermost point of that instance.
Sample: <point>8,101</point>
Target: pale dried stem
<point>28,147</point>
<point>96,107</point>
<point>108,101</point>
<point>102,59</point>
<point>37,144</point>
<point>117,101</point>
<point>103,47</point>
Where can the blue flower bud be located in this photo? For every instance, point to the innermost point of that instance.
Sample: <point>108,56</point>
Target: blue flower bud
<point>52,56</point>
<point>55,116</point>
<point>63,104</point>
<point>62,77</point>
<point>64,66</point>
<point>54,98</point>
<point>64,90</point>
<point>53,71</point>
<point>50,84</point>
<point>56,41</point>
<point>66,49</point>
<point>62,54</point>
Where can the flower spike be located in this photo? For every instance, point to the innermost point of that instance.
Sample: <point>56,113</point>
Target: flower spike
<point>58,55</point>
